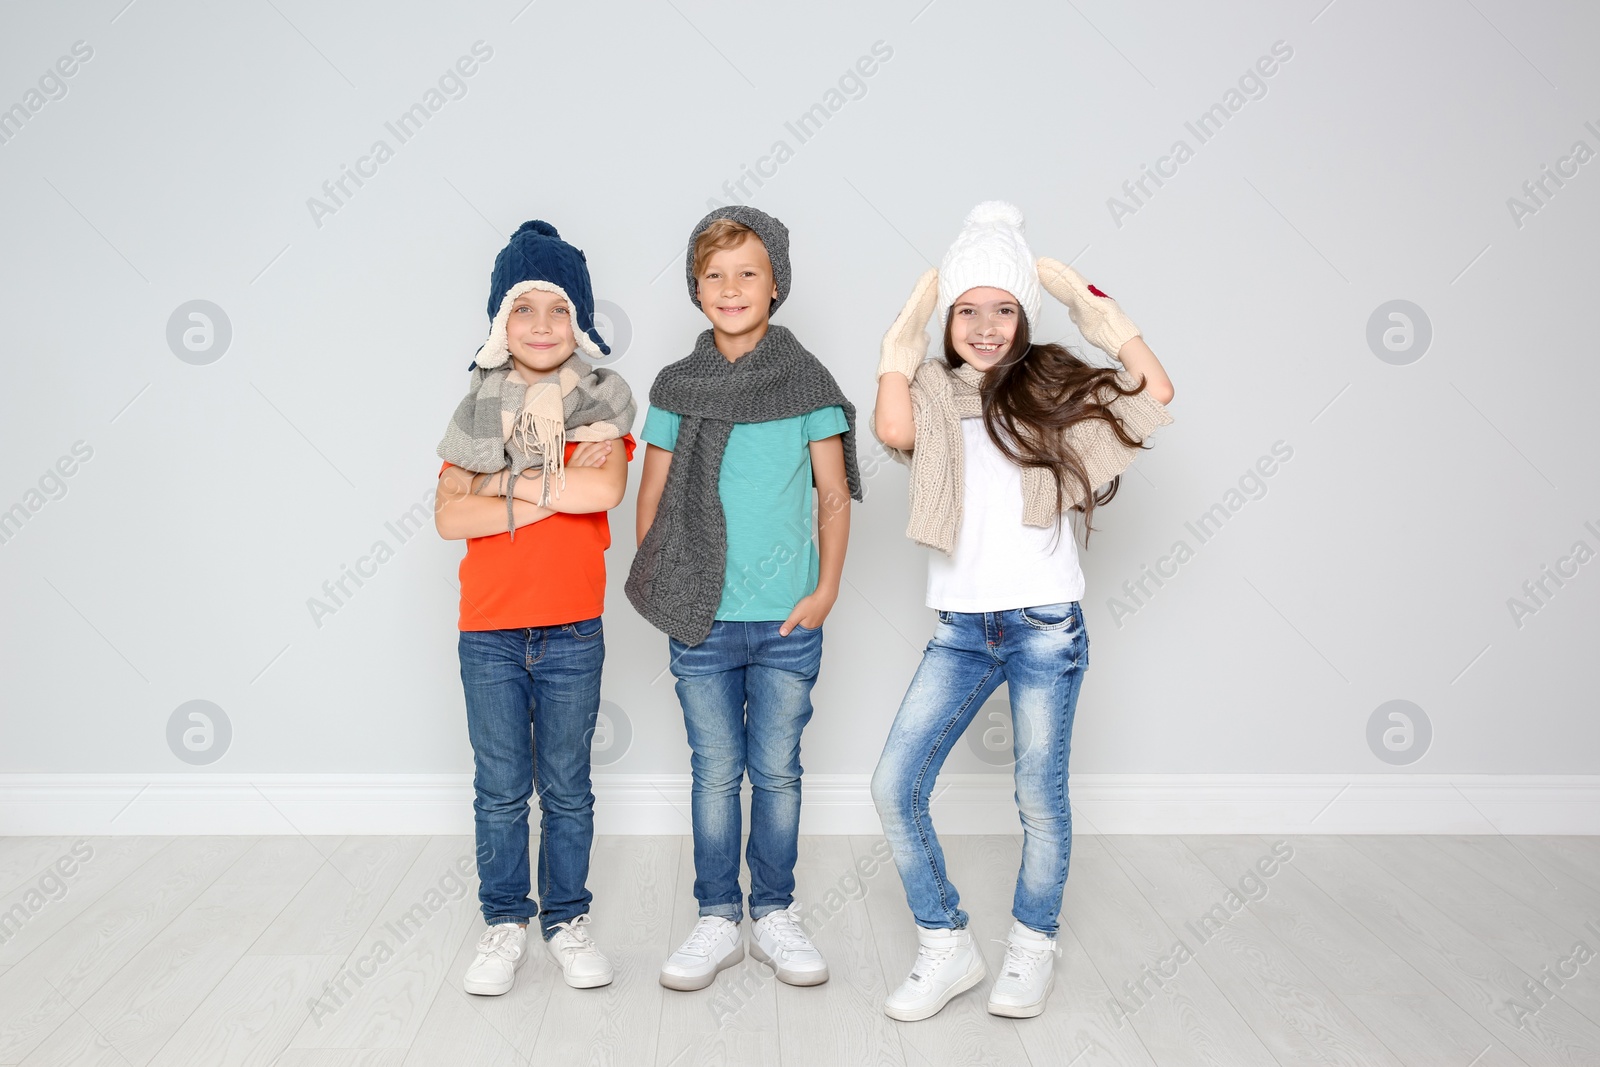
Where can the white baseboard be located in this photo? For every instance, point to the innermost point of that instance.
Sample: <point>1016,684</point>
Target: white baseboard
<point>201,803</point>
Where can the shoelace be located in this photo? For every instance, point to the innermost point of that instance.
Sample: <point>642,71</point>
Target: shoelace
<point>1020,962</point>
<point>928,961</point>
<point>783,928</point>
<point>701,937</point>
<point>578,937</point>
<point>494,941</point>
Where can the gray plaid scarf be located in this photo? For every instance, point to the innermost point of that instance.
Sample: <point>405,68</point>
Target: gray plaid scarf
<point>506,422</point>
<point>677,575</point>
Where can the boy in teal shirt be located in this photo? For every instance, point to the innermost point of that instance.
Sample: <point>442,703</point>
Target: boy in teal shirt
<point>737,434</point>
<point>765,489</point>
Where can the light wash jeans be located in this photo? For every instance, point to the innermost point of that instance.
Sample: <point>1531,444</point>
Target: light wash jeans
<point>1041,653</point>
<point>746,696</point>
<point>532,698</point>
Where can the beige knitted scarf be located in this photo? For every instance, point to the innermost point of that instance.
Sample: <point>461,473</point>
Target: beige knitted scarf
<point>941,398</point>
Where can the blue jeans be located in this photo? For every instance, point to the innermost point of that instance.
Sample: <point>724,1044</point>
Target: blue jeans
<point>746,696</point>
<point>532,698</point>
<point>1041,653</point>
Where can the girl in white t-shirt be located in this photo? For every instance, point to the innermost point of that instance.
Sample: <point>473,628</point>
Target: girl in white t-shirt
<point>1003,437</point>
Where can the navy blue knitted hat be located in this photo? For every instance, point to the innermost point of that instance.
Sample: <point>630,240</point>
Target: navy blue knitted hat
<point>537,258</point>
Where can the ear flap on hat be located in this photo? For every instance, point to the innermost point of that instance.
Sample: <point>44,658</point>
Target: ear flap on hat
<point>496,351</point>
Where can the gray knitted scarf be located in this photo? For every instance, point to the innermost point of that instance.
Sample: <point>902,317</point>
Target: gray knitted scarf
<point>677,575</point>
<point>506,422</point>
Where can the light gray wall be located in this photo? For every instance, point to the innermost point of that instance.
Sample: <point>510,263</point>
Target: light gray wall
<point>1376,167</point>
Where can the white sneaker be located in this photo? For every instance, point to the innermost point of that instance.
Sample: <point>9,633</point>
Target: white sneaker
<point>947,963</point>
<point>1026,976</point>
<point>713,945</point>
<point>501,951</point>
<point>780,942</point>
<point>582,963</point>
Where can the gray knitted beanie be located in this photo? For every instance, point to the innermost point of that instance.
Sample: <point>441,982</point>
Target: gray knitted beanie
<point>774,235</point>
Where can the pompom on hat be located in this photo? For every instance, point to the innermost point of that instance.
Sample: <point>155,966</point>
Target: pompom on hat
<point>991,251</point>
<point>537,258</point>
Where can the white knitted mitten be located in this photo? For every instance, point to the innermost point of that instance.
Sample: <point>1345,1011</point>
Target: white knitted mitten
<point>1095,314</point>
<point>906,343</point>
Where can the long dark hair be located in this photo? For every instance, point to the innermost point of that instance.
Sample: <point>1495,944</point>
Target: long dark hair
<point>1032,395</point>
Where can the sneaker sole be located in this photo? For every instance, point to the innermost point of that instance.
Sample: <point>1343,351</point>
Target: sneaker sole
<point>1023,1011</point>
<point>484,989</point>
<point>972,978</point>
<point>689,983</point>
<point>588,983</point>
<point>789,977</point>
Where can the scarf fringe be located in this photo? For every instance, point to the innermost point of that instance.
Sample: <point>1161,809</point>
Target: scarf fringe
<point>539,432</point>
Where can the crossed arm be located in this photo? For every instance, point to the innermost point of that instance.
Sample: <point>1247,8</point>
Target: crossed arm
<point>473,505</point>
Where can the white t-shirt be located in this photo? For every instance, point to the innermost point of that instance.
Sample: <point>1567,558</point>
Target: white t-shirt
<point>1000,564</point>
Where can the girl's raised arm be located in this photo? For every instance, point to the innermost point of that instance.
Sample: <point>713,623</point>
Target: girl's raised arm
<point>1102,323</point>
<point>904,347</point>
<point>891,416</point>
<point>1141,362</point>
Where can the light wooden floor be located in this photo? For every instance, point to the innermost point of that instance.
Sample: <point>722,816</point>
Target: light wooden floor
<point>1365,951</point>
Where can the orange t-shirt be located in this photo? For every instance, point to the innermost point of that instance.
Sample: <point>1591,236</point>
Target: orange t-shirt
<point>553,573</point>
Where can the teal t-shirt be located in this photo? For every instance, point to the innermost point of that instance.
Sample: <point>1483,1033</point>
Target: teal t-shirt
<point>766,492</point>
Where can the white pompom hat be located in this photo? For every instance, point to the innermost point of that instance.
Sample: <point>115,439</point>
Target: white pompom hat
<point>991,251</point>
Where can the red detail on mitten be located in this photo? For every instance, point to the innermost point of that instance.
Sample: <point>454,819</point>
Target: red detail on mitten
<point>1097,292</point>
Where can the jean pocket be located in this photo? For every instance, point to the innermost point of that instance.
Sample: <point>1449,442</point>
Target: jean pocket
<point>587,630</point>
<point>1051,616</point>
<point>945,617</point>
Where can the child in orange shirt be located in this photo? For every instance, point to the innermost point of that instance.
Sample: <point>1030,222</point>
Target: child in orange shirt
<point>532,449</point>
